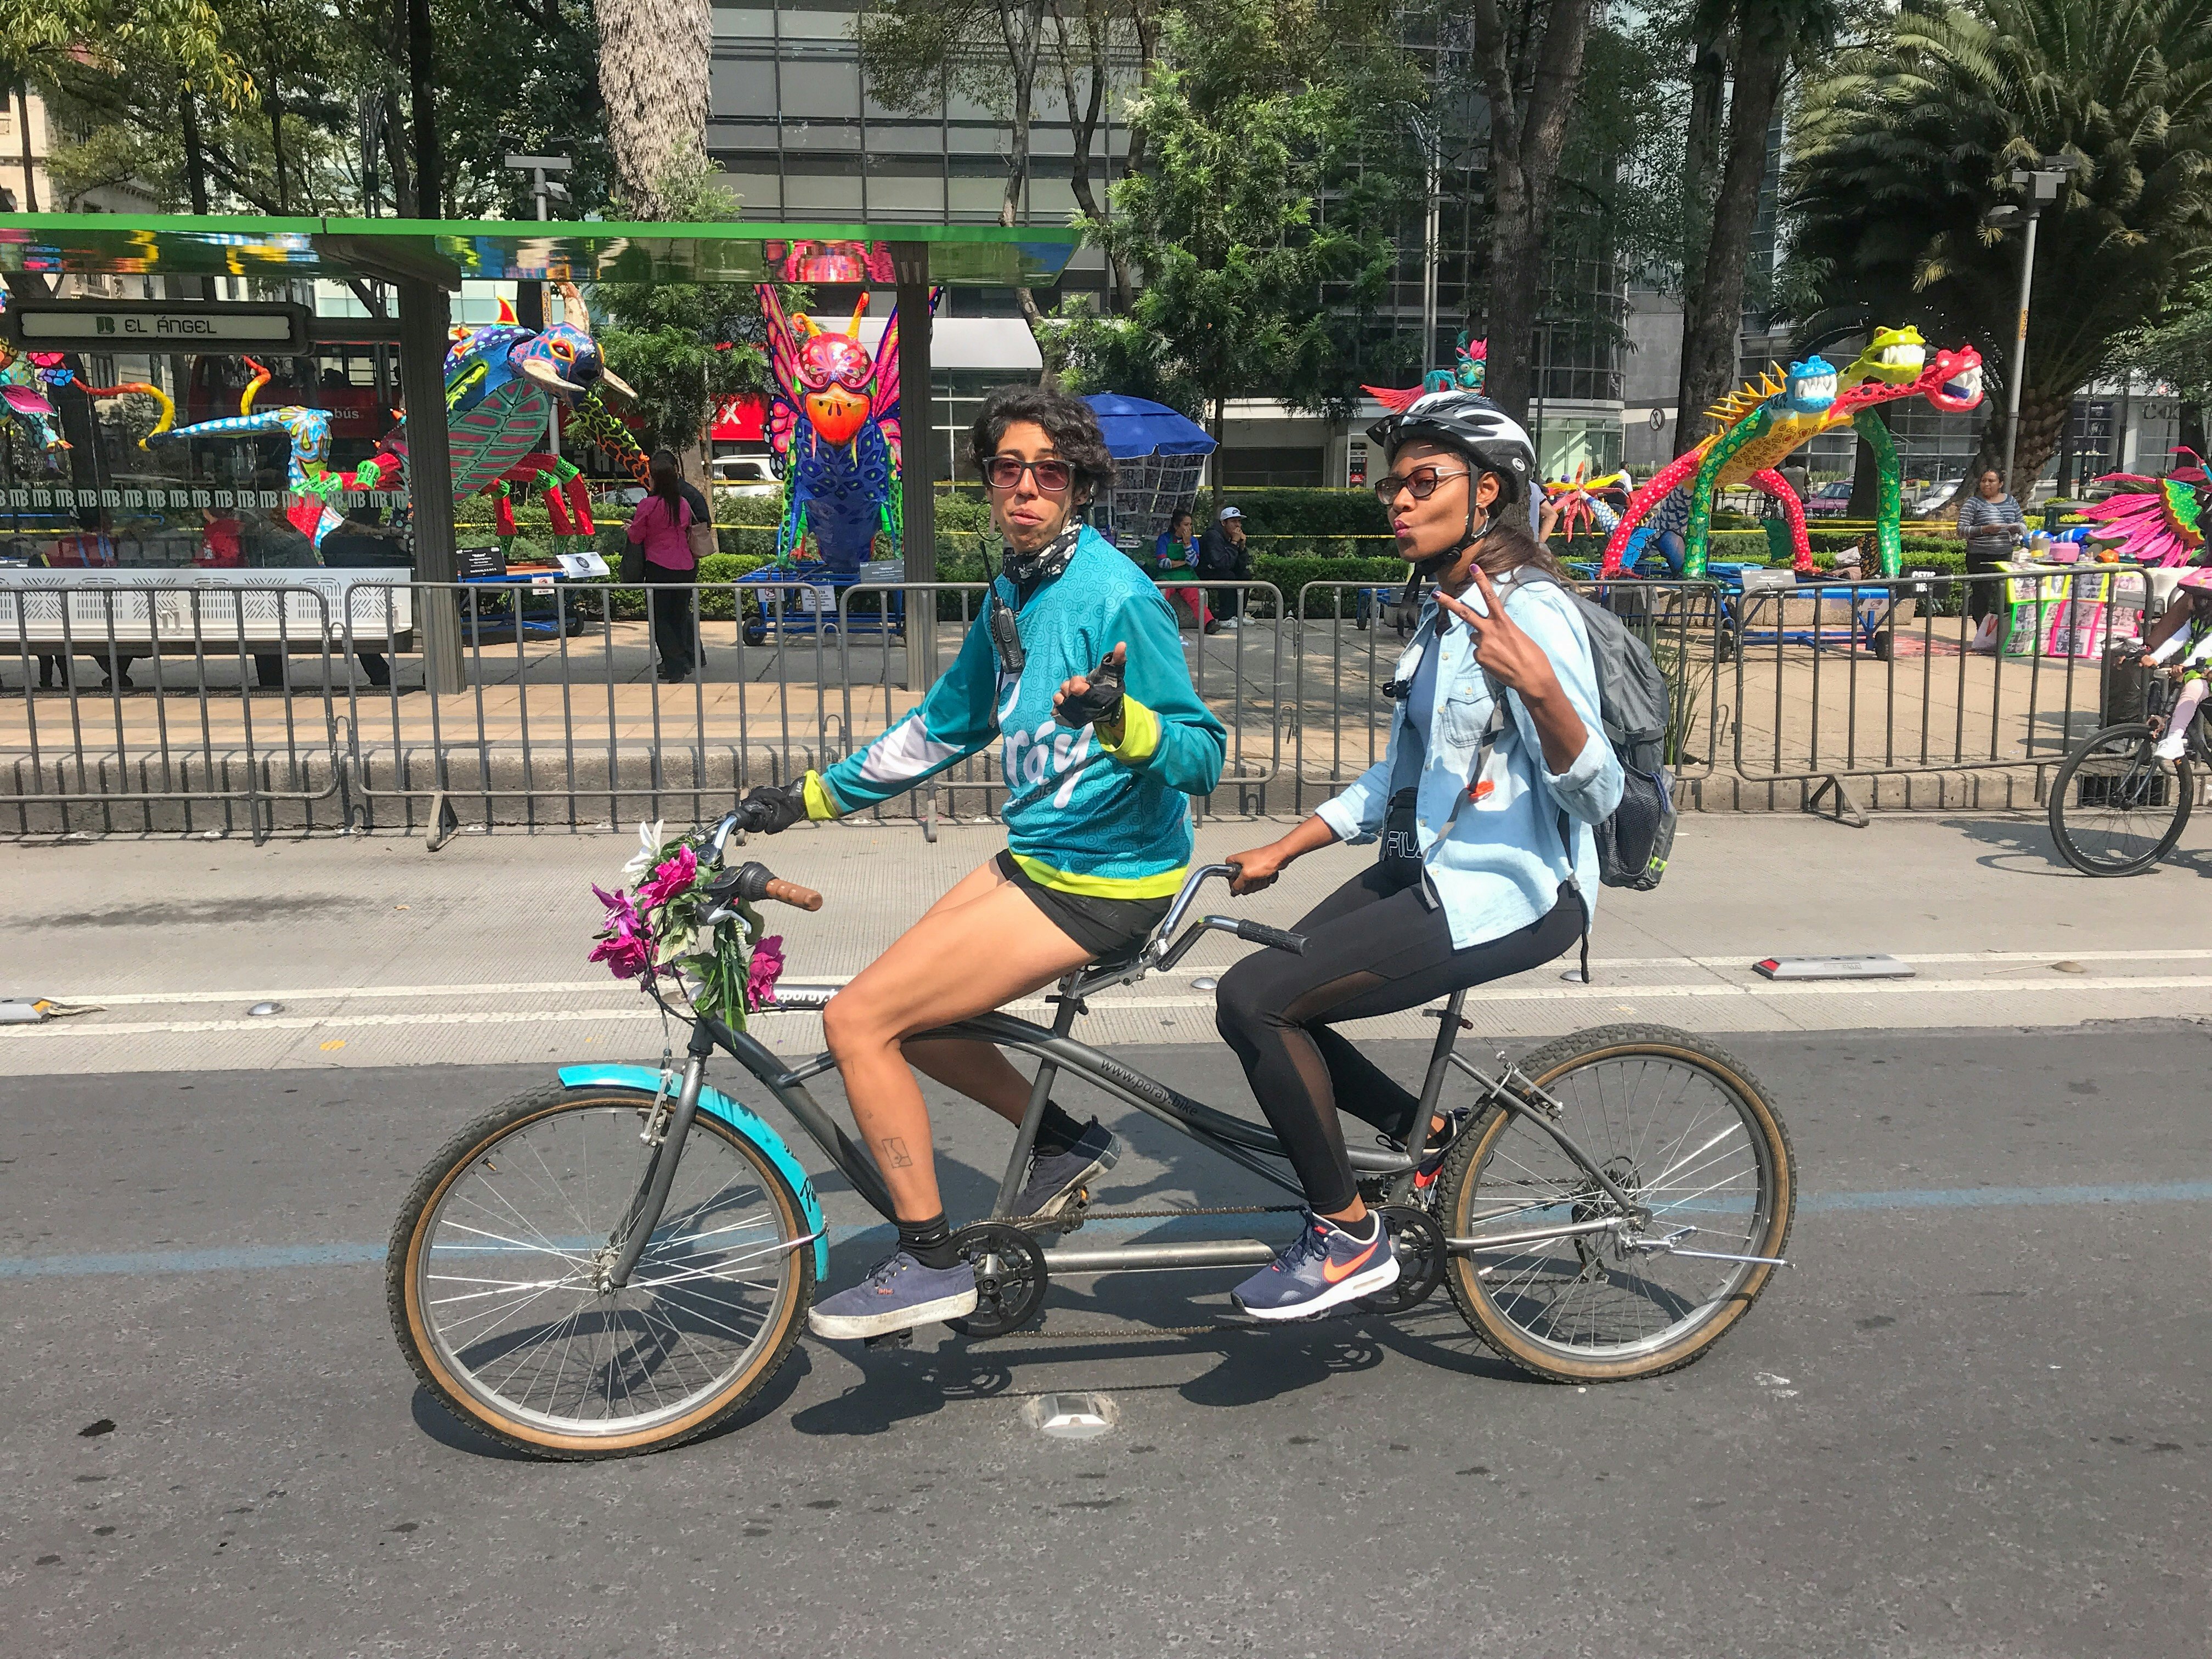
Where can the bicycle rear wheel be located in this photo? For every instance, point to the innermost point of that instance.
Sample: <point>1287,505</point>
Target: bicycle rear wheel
<point>2117,809</point>
<point>492,1279</point>
<point>1684,1131</point>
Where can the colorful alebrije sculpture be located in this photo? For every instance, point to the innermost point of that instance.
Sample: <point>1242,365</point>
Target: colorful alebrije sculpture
<point>28,378</point>
<point>502,382</point>
<point>1471,362</point>
<point>2160,520</point>
<point>834,425</point>
<point>1761,422</point>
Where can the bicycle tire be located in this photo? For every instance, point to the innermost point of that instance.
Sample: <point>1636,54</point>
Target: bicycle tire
<point>1552,1067</point>
<point>2110,744</point>
<point>441,1373</point>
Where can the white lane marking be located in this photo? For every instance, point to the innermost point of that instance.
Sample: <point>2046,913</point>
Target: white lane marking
<point>62,1029</point>
<point>612,986</point>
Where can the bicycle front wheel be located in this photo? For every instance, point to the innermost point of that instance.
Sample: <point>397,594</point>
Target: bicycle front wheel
<point>1681,1128</point>
<point>2116,808</point>
<point>496,1276</point>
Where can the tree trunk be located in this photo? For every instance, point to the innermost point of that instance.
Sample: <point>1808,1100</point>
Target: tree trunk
<point>195,152</point>
<point>2042,415</point>
<point>23,127</point>
<point>1083,130</point>
<point>272,104</point>
<point>654,56</point>
<point>1528,131</point>
<point>1866,475</point>
<point>421,73</point>
<point>1708,97</point>
<point>1712,328</point>
<point>1025,39</point>
<point>405,201</point>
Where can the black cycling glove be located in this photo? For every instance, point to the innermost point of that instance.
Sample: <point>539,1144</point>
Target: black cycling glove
<point>1102,702</point>
<point>775,807</point>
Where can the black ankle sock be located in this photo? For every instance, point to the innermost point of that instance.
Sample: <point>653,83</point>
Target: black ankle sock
<point>926,1242</point>
<point>1361,1231</point>
<point>1057,1132</point>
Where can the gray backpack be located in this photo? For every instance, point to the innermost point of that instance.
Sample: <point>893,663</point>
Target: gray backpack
<point>1634,706</point>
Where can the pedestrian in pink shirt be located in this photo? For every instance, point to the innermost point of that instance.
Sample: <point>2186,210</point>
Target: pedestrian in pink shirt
<point>663,522</point>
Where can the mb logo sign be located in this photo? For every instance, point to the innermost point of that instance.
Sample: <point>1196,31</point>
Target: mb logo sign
<point>153,326</point>
<point>103,325</point>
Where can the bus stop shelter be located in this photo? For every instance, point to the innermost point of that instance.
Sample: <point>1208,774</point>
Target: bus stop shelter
<point>425,261</point>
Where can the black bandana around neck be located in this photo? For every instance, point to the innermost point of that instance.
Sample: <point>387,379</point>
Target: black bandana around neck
<point>1024,570</point>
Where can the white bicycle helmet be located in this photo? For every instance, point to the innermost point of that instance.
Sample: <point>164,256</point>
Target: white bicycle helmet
<point>1471,423</point>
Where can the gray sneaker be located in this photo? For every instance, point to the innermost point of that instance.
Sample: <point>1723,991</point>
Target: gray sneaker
<point>1055,1176</point>
<point>898,1294</point>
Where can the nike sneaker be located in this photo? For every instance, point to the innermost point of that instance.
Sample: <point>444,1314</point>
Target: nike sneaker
<point>1325,1267</point>
<point>898,1294</point>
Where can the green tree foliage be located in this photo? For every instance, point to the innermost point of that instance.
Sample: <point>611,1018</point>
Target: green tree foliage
<point>1261,240</point>
<point>2179,353</point>
<point>280,130</point>
<point>1904,144</point>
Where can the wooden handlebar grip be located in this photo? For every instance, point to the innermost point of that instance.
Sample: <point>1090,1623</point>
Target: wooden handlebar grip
<point>790,892</point>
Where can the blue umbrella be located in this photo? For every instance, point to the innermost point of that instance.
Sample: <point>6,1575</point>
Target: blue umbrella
<point>1133,428</point>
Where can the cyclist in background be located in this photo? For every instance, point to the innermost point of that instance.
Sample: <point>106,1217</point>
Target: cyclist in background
<point>1076,666</point>
<point>1489,862</point>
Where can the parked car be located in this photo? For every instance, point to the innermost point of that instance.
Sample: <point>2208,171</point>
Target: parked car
<point>1830,500</point>
<point>1936,499</point>
<point>745,475</point>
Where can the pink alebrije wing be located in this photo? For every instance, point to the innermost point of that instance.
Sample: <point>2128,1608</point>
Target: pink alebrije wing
<point>1392,398</point>
<point>27,400</point>
<point>782,349</point>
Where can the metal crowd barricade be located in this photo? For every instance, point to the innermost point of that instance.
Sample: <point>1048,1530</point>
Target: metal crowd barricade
<point>185,750</point>
<point>1821,694</point>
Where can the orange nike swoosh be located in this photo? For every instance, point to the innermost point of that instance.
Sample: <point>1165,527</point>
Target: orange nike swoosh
<point>1336,1275</point>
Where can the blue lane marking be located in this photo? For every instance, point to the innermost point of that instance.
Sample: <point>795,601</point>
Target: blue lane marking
<point>260,1258</point>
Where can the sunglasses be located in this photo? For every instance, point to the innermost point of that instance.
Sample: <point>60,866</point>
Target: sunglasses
<point>1052,476</point>
<point>1422,481</point>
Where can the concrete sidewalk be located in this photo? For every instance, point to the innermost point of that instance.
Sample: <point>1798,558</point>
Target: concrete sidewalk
<point>384,955</point>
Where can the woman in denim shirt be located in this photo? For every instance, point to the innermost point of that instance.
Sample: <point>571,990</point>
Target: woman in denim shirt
<point>1490,866</point>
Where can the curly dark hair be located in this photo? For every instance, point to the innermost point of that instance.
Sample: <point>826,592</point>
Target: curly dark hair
<point>1067,420</point>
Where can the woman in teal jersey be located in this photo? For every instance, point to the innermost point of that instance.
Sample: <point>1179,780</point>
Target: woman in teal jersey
<point>1076,669</point>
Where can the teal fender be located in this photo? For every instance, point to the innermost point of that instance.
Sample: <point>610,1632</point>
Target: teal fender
<point>742,1119</point>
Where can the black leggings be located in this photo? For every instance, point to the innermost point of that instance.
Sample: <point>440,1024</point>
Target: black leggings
<point>1370,951</point>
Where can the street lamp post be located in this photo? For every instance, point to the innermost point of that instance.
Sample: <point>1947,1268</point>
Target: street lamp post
<point>2042,185</point>
<point>1430,134</point>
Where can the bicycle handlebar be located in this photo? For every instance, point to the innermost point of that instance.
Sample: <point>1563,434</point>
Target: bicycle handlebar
<point>753,882</point>
<point>1258,933</point>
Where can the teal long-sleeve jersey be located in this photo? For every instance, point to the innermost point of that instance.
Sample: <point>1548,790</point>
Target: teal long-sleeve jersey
<point>1081,815</point>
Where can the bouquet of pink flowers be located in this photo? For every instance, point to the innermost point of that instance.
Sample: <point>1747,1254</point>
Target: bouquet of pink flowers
<point>655,929</point>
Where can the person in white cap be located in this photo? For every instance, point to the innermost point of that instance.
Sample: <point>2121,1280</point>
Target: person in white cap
<point>1224,555</point>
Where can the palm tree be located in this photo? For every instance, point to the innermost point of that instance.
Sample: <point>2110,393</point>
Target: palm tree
<point>1904,145</point>
<point>653,56</point>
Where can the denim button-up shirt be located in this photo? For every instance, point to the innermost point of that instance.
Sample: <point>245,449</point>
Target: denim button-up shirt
<point>1496,863</point>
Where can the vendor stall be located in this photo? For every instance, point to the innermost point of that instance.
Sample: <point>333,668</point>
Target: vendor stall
<point>1159,455</point>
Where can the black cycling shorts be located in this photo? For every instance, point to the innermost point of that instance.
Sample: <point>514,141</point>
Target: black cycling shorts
<point>1101,926</point>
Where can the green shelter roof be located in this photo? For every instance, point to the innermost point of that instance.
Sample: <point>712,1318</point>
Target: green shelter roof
<point>447,252</point>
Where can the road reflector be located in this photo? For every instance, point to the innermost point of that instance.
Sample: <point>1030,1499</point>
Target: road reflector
<point>1071,1416</point>
<point>1833,968</point>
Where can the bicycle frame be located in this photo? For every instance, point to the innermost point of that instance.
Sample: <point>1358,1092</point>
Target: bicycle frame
<point>1055,1049</point>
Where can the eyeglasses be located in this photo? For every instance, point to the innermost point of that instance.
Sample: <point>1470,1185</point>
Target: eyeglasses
<point>1052,476</point>
<point>1422,481</point>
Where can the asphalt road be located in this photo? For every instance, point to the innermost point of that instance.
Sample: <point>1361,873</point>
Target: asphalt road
<point>1971,1422</point>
